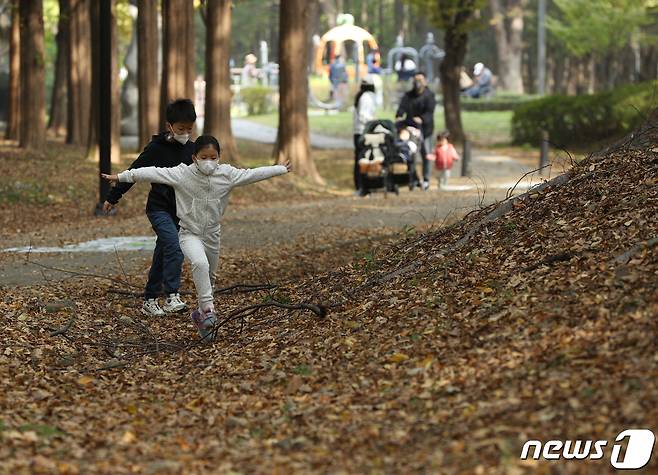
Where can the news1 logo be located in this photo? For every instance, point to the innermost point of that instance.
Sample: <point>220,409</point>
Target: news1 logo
<point>637,455</point>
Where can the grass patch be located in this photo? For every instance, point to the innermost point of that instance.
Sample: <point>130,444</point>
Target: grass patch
<point>484,128</point>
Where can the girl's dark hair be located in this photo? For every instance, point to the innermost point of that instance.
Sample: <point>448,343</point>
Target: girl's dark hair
<point>180,110</point>
<point>204,141</point>
<point>443,135</point>
<point>364,88</point>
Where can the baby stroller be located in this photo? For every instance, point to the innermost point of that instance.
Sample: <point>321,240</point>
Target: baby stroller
<point>411,148</point>
<point>380,162</point>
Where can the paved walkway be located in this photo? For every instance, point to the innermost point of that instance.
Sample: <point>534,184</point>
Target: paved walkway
<point>249,130</point>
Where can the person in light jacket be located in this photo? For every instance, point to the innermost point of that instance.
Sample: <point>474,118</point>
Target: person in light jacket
<point>365,106</point>
<point>202,191</point>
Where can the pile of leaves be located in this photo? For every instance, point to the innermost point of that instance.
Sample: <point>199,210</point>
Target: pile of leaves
<point>440,352</point>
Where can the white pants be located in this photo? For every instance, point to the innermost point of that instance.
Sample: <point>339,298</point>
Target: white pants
<point>203,254</point>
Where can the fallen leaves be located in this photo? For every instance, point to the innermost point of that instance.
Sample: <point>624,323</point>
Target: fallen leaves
<point>532,330</point>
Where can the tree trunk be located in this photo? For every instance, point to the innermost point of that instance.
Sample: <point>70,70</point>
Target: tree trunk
<point>398,16</point>
<point>218,77</point>
<point>32,124</point>
<point>148,79</point>
<point>649,61</point>
<point>13,110</point>
<point>293,135</point>
<point>177,53</point>
<point>79,95</point>
<point>363,17</point>
<point>92,138</point>
<point>558,75</point>
<point>58,109</point>
<point>314,28</point>
<point>507,21</point>
<point>330,11</point>
<point>455,40</point>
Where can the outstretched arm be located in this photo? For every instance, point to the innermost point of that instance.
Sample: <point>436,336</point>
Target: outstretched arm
<point>166,176</point>
<point>244,176</point>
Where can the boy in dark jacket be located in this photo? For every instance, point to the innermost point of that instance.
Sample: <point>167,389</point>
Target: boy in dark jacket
<point>168,149</point>
<point>418,106</point>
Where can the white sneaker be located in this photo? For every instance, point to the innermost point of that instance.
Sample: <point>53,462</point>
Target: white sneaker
<point>174,304</point>
<point>426,185</point>
<point>152,308</point>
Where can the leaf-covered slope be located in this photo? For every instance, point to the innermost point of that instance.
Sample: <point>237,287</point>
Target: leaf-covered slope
<point>432,359</point>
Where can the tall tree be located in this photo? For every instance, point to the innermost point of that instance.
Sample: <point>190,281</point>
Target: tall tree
<point>507,22</point>
<point>148,78</point>
<point>32,124</point>
<point>398,16</point>
<point>609,28</point>
<point>13,111</point>
<point>293,141</point>
<point>177,52</point>
<point>456,18</point>
<point>92,137</point>
<point>218,76</point>
<point>330,10</point>
<point>79,78</point>
<point>58,110</point>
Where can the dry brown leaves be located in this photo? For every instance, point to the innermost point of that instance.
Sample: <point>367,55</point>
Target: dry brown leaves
<point>531,330</point>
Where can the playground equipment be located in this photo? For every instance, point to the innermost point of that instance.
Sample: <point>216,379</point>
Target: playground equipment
<point>397,52</point>
<point>334,41</point>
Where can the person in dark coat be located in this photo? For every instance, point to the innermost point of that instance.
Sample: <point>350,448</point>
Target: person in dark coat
<point>418,105</point>
<point>167,149</point>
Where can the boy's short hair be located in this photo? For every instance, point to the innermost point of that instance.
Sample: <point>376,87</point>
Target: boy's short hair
<point>181,110</point>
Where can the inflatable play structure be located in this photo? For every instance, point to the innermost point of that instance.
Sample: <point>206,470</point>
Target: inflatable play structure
<point>333,42</point>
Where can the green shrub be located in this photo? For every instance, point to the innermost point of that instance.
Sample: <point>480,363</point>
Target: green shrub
<point>578,120</point>
<point>498,102</point>
<point>259,99</point>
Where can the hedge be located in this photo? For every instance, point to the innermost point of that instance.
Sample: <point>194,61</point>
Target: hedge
<point>579,120</point>
<point>259,99</point>
<point>497,102</point>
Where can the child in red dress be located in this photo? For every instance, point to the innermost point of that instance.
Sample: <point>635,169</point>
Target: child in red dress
<point>445,154</point>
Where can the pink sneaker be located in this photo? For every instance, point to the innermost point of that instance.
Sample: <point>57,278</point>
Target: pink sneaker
<point>205,323</point>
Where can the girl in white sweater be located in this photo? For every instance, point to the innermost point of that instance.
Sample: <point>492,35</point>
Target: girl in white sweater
<point>202,191</point>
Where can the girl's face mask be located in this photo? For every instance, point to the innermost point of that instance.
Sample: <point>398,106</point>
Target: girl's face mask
<point>207,161</point>
<point>207,167</point>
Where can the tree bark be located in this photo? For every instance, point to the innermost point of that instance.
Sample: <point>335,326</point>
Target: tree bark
<point>218,77</point>
<point>79,78</point>
<point>293,135</point>
<point>455,41</point>
<point>363,16</point>
<point>92,137</point>
<point>649,61</point>
<point>330,10</point>
<point>58,99</point>
<point>398,16</point>
<point>177,53</point>
<point>32,124</point>
<point>13,110</point>
<point>148,78</point>
<point>507,20</point>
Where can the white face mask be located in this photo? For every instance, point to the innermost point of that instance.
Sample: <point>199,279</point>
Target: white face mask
<point>182,138</point>
<point>207,167</point>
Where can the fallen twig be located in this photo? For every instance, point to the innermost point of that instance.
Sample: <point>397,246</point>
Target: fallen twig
<point>559,257</point>
<point>626,256</point>
<point>64,329</point>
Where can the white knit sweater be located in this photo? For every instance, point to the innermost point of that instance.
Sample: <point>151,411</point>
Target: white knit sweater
<point>201,199</point>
